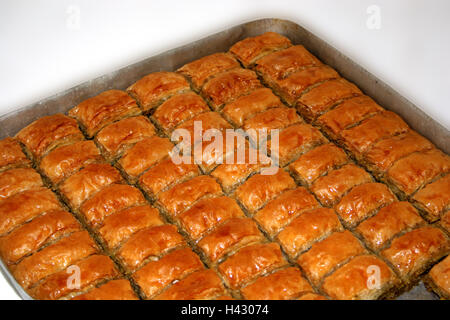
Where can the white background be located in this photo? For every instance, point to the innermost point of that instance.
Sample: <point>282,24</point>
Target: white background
<point>48,46</point>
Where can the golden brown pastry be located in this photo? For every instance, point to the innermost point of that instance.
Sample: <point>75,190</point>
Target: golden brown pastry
<point>153,89</point>
<point>54,258</point>
<point>208,213</point>
<point>324,96</point>
<point>292,87</point>
<point>279,212</point>
<point>445,221</point>
<point>200,285</point>
<point>348,113</point>
<point>439,278</point>
<point>251,262</point>
<point>103,109</point>
<point>363,278</point>
<point>166,174</point>
<point>118,227</point>
<point>309,227</point>
<point>245,162</point>
<point>278,65</point>
<point>83,184</point>
<point>330,188</point>
<point>251,49</point>
<point>92,270</point>
<point>259,189</point>
<point>176,265</point>
<point>144,155</point>
<point>296,140</point>
<point>39,232</point>
<point>119,136</point>
<point>411,173</point>
<point>109,200</point>
<point>185,194</point>
<point>24,206</point>
<point>200,70</point>
<point>17,180</point>
<point>149,244</point>
<point>284,284</point>
<point>434,199</point>
<point>274,118</point>
<point>247,106</point>
<point>329,254</point>
<point>363,201</point>
<point>229,85</point>
<point>178,109</point>
<point>47,133</point>
<point>11,155</point>
<point>312,297</point>
<point>64,161</point>
<point>388,222</point>
<point>317,162</point>
<point>383,154</point>
<point>112,290</point>
<point>412,253</point>
<point>229,237</point>
<point>386,124</point>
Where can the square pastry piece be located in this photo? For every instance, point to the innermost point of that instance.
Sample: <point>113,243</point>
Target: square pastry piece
<point>11,155</point>
<point>64,161</point>
<point>259,189</point>
<point>385,153</point>
<point>200,285</point>
<point>94,270</point>
<point>329,254</point>
<point>200,70</point>
<point>284,284</point>
<point>247,106</point>
<point>155,88</point>
<point>434,198</point>
<point>292,87</point>
<point>438,279</point>
<point>415,251</point>
<point>318,162</point>
<point>178,109</point>
<point>251,49</point>
<point>392,220</point>
<point>120,136</point>
<point>280,64</point>
<point>47,133</point>
<point>17,180</point>
<point>413,172</point>
<point>228,86</point>
<point>363,278</point>
<point>113,290</point>
<point>347,113</point>
<point>321,98</point>
<point>330,188</point>
<point>251,262</point>
<point>361,138</point>
<point>103,109</point>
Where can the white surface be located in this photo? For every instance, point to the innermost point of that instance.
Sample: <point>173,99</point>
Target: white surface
<point>43,50</point>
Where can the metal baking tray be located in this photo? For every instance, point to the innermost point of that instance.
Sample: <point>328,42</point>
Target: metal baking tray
<point>170,60</point>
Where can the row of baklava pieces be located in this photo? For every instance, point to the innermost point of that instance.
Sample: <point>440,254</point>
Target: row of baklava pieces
<point>380,140</point>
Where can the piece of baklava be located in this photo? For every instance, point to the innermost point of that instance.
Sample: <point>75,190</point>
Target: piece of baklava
<point>97,112</point>
<point>113,290</point>
<point>48,133</point>
<point>18,180</point>
<point>114,139</point>
<point>439,278</point>
<point>200,70</point>
<point>434,198</point>
<point>153,89</point>
<point>11,155</point>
